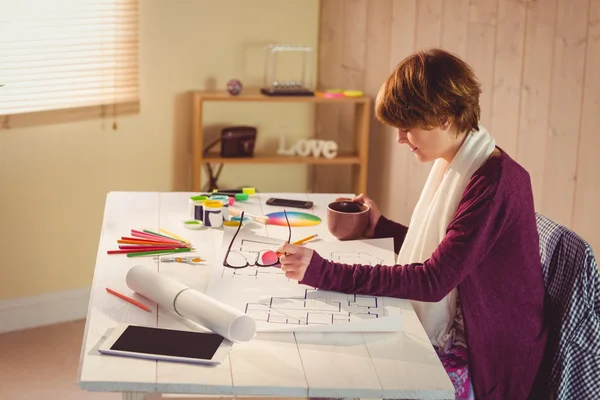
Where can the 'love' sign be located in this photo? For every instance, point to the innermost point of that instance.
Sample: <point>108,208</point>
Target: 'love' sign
<point>306,147</point>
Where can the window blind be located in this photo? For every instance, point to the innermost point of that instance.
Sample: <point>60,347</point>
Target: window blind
<point>67,54</point>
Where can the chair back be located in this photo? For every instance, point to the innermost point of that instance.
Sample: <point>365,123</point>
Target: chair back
<point>572,281</point>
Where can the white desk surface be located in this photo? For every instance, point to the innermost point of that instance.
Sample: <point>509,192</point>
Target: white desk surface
<point>399,365</point>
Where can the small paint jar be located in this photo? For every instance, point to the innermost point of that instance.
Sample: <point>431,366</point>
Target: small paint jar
<point>213,213</point>
<point>225,201</point>
<point>196,208</point>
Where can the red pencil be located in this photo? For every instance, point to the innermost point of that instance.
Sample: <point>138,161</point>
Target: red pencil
<point>148,246</point>
<point>137,241</point>
<point>140,249</point>
<point>129,299</point>
<point>145,239</point>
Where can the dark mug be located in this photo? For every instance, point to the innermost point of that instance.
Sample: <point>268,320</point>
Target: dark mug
<point>347,220</point>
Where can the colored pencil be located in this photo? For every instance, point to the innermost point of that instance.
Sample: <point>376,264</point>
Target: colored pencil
<point>139,250</point>
<point>149,240</point>
<point>129,299</point>
<point>166,232</point>
<point>146,233</point>
<point>298,242</point>
<point>306,239</point>
<point>168,237</point>
<point>130,241</point>
<point>147,253</point>
<point>150,247</point>
<point>152,237</point>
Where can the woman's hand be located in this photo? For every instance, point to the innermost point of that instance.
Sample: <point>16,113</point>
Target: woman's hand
<point>295,260</point>
<point>374,213</point>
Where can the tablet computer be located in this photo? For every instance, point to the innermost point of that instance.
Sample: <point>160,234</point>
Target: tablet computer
<point>166,344</point>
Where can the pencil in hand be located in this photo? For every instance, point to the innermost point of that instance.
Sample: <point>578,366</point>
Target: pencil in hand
<point>299,242</point>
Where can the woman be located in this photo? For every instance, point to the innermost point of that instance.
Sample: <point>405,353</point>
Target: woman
<point>470,261</point>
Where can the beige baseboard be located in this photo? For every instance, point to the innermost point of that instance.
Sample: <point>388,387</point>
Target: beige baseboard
<point>45,309</point>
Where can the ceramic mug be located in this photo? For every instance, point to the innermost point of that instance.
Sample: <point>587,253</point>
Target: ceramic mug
<point>213,213</point>
<point>196,208</point>
<point>347,220</point>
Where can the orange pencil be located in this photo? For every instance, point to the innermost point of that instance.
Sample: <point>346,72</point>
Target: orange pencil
<point>129,299</point>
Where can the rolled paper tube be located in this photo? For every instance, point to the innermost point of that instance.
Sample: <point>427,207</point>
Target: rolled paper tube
<point>191,304</point>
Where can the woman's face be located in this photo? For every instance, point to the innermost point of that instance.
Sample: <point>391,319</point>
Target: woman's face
<point>430,144</point>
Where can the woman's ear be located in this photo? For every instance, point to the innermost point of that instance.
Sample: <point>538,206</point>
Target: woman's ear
<point>447,124</point>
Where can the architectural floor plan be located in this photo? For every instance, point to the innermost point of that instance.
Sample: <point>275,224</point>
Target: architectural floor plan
<point>315,307</point>
<point>277,303</point>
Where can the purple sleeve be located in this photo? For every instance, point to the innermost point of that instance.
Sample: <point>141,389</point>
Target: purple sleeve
<point>479,221</point>
<point>387,228</point>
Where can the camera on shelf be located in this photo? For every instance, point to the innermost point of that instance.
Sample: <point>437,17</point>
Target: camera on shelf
<point>238,141</point>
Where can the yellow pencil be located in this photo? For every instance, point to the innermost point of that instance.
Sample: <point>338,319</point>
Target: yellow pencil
<point>166,232</point>
<point>305,240</point>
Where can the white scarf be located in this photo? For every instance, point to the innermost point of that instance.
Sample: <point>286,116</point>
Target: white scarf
<point>433,213</point>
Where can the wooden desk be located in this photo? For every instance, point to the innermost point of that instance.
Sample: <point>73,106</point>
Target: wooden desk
<point>383,365</point>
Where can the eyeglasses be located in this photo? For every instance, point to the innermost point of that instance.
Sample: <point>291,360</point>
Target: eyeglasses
<point>249,258</point>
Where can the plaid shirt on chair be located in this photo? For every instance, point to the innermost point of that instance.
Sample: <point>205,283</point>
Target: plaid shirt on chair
<point>573,284</point>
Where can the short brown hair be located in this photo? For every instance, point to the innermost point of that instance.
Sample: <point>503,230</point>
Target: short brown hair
<point>428,87</point>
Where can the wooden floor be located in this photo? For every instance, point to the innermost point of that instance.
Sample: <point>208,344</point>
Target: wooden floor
<point>41,364</point>
<point>24,377</point>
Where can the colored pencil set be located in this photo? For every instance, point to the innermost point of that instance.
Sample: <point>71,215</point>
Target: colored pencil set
<point>148,243</point>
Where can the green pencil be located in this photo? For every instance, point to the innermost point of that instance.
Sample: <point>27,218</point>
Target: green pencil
<point>147,253</point>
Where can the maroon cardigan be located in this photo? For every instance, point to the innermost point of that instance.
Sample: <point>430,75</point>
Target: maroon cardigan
<point>491,253</point>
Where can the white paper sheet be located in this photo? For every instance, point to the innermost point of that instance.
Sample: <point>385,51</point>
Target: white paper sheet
<point>191,304</point>
<point>277,303</point>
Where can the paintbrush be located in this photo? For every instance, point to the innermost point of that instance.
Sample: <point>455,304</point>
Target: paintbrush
<point>263,219</point>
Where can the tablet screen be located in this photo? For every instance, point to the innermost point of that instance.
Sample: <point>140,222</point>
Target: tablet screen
<point>140,339</point>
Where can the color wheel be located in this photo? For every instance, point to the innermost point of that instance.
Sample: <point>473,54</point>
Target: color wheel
<point>296,219</point>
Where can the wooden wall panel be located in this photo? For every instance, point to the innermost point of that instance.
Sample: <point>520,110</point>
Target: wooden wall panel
<point>536,93</point>
<point>508,67</point>
<point>455,27</point>
<point>394,201</point>
<point>428,33</point>
<point>565,110</point>
<point>352,71</point>
<point>481,44</point>
<point>379,37</point>
<point>537,64</point>
<point>327,116</point>
<point>586,219</point>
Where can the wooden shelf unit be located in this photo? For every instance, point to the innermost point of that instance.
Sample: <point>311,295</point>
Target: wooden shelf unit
<point>359,159</point>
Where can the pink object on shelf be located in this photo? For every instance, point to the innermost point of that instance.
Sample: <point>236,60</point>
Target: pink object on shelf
<point>333,95</point>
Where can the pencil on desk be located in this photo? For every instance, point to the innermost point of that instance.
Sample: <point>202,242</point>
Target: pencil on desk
<point>140,239</point>
<point>149,253</point>
<point>166,232</point>
<point>165,236</point>
<point>129,299</point>
<point>140,249</point>
<point>147,236</point>
<point>151,246</point>
<point>146,242</point>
